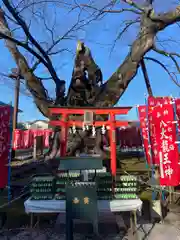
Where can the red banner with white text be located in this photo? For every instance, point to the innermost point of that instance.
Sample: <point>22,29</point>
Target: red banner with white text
<point>177,103</point>
<point>144,130</point>
<point>167,149</point>
<point>5,137</point>
<point>154,102</point>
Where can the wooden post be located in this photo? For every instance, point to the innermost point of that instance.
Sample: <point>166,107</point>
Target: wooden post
<point>34,149</point>
<point>63,136</point>
<point>170,195</point>
<point>31,219</point>
<point>112,133</point>
<point>16,101</point>
<point>173,195</point>
<point>135,224</point>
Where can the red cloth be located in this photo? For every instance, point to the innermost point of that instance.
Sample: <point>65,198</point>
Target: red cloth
<point>5,135</point>
<point>47,134</point>
<point>26,139</point>
<point>17,144</point>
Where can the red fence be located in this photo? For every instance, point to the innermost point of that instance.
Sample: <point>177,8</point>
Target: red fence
<point>24,139</point>
<point>129,137</point>
<point>126,137</point>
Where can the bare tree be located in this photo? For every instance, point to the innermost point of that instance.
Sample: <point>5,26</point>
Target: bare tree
<point>86,87</point>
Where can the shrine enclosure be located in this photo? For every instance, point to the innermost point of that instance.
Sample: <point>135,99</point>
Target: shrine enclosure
<point>127,138</point>
<point>90,122</point>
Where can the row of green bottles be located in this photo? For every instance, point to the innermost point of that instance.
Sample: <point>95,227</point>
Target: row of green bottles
<point>126,184</point>
<point>126,196</point>
<point>128,178</point>
<point>41,197</point>
<point>125,189</point>
<point>41,190</point>
<point>47,179</point>
<point>42,184</point>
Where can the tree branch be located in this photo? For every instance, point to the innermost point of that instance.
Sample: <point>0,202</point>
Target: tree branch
<point>149,2</point>
<point>101,11</point>
<point>165,53</point>
<point>25,46</point>
<point>73,28</point>
<point>165,68</point>
<point>133,4</point>
<point>128,24</point>
<point>32,4</point>
<point>32,83</point>
<point>169,54</point>
<point>146,78</point>
<point>113,89</point>
<point>33,41</point>
<point>167,18</point>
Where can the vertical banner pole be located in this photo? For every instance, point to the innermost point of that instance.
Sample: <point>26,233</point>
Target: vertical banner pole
<point>149,142</point>
<point>176,120</point>
<point>142,140</point>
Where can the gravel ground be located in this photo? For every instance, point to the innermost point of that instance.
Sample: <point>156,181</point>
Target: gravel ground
<point>49,234</point>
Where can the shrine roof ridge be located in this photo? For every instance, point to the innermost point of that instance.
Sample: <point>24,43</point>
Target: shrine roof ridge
<point>89,107</point>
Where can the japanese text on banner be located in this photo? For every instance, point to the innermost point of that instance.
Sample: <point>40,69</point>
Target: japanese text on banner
<point>144,130</point>
<point>163,120</point>
<point>154,102</point>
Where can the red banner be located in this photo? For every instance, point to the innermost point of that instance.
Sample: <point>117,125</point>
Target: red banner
<point>47,134</point>
<point>154,102</point>
<point>5,134</point>
<point>17,139</point>
<point>24,139</point>
<point>177,102</point>
<point>157,101</point>
<point>144,129</point>
<point>167,149</point>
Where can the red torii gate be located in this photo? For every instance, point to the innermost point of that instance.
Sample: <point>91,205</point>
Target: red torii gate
<point>111,123</point>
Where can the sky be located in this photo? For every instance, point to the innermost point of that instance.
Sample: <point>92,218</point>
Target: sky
<point>99,37</point>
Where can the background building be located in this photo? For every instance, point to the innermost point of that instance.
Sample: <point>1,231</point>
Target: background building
<point>37,124</point>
